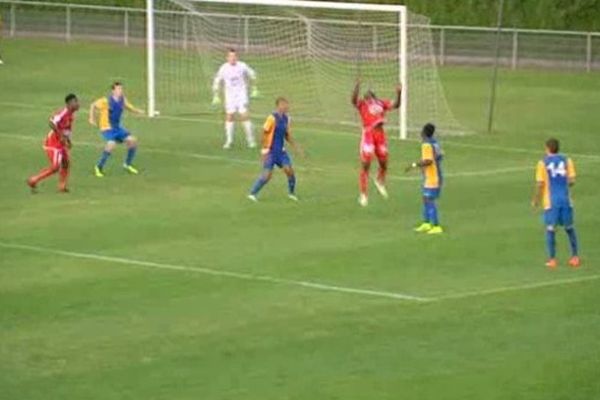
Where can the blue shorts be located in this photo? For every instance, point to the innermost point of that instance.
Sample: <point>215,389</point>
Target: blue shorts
<point>281,160</point>
<point>431,193</point>
<point>115,135</point>
<point>561,215</point>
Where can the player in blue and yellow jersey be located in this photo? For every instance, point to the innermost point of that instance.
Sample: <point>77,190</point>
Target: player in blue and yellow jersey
<point>276,132</point>
<point>554,175</point>
<point>110,110</point>
<point>430,165</point>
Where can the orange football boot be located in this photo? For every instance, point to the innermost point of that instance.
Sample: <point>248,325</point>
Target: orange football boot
<point>574,262</point>
<point>552,263</point>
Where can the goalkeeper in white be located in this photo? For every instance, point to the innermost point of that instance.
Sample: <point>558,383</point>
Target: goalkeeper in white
<point>235,75</point>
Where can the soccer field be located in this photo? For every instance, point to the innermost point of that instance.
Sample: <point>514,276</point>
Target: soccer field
<point>172,285</point>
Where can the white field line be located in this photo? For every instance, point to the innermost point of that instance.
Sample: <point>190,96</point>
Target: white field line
<point>516,288</point>
<point>216,272</point>
<point>299,283</point>
<point>490,172</point>
<point>393,137</point>
<point>505,149</point>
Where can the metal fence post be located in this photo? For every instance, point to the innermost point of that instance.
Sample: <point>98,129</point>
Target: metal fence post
<point>588,58</point>
<point>68,23</point>
<point>246,34</point>
<point>442,46</point>
<point>309,35</point>
<point>375,38</point>
<point>126,28</point>
<point>515,50</point>
<point>13,20</point>
<point>184,36</point>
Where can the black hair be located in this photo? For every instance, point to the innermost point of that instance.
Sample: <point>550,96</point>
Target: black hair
<point>371,93</point>
<point>279,100</point>
<point>232,50</point>
<point>428,129</point>
<point>115,84</point>
<point>70,97</point>
<point>553,145</point>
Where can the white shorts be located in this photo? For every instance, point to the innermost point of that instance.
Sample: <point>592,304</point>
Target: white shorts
<point>236,104</point>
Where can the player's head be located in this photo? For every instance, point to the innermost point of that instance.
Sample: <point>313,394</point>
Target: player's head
<point>117,89</point>
<point>428,131</point>
<point>72,102</point>
<point>552,146</point>
<point>282,104</point>
<point>369,94</point>
<point>231,56</point>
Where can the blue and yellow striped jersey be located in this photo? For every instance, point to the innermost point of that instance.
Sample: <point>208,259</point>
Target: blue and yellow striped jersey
<point>111,110</point>
<point>275,133</point>
<point>555,172</point>
<point>432,174</point>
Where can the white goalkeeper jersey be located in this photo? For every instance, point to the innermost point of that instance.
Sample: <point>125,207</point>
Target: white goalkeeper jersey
<point>236,78</point>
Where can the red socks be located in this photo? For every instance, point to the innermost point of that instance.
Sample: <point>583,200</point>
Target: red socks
<point>43,174</point>
<point>381,175</point>
<point>364,181</point>
<point>47,172</point>
<point>62,180</point>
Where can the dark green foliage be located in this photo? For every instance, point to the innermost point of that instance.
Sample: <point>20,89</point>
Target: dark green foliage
<point>543,14</point>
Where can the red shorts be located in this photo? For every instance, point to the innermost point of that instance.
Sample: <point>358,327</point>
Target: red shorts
<point>57,156</point>
<point>373,143</point>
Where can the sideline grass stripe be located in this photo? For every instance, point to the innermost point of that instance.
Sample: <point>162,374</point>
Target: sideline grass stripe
<point>201,156</point>
<point>447,141</point>
<point>306,284</point>
<point>216,272</point>
<point>516,288</point>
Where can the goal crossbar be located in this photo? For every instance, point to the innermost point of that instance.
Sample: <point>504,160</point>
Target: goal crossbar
<point>315,4</point>
<point>399,10</point>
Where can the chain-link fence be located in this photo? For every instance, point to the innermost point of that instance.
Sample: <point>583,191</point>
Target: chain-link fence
<point>454,45</point>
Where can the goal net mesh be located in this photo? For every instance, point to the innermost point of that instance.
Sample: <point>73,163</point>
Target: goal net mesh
<point>310,56</point>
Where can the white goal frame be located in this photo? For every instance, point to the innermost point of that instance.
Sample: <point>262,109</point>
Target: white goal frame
<point>402,47</point>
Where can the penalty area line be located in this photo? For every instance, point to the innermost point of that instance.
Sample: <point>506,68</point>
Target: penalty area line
<point>301,283</point>
<point>201,156</point>
<point>331,132</point>
<point>516,288</point>
<point>216,272</point>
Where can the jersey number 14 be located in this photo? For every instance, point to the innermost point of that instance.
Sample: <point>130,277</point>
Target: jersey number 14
<point>557,169</point>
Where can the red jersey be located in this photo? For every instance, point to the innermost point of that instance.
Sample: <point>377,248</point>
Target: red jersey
<point>63,120</point>
<point>372,112</point>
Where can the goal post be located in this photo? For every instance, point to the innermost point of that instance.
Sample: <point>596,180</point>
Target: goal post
<point>309,51</point>
<point>403,67</point>
<point>150,59</point>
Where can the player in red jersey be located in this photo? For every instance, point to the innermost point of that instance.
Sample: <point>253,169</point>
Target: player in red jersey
<point>57,145</point>
<point>373,142</point>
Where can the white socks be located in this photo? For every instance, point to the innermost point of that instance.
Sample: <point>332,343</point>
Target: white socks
<point>249,135</point>
<point>229,131</point>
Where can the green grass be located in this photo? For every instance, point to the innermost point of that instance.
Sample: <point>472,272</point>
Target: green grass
<point>87,328</point>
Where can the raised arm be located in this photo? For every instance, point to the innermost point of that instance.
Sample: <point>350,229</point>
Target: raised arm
<point>355,93</point>
<point>133,108</point>
<point>398,100</point>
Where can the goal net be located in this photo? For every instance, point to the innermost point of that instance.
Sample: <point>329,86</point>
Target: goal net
<point>309,52</point>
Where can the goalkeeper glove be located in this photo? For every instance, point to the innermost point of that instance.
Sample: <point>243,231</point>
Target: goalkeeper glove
<point>216,100</point>
<point>255,93</point>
